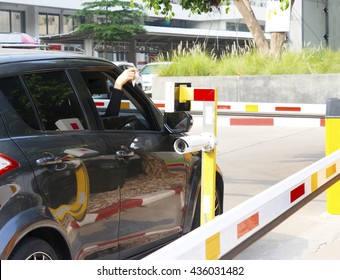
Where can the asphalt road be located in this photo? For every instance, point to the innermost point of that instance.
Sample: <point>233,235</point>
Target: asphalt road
<point>254,158</point>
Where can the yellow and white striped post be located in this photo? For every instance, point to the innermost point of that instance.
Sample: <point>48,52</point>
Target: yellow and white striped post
<point>332,127</point>
<point>208,177</point>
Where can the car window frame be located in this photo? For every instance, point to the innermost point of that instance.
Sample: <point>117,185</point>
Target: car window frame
<point>139,99</point>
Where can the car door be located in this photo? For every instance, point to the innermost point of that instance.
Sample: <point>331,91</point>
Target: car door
<point>75,170</point>
<point>154,190</point>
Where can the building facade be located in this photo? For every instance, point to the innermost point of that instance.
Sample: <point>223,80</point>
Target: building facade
<point>315,23</point>
<point>51,22</point>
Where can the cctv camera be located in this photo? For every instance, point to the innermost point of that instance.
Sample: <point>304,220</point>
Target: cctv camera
<point>194,143</point>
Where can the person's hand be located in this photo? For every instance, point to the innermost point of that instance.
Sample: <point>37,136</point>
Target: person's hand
<point>128,75</point>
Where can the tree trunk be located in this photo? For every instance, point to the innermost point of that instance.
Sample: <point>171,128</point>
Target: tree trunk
<point>278,39</point>
<point>253,25</point>
<point>276,43</point>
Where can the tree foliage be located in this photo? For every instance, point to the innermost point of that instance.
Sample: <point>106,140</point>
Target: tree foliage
<point>195,6</point>
<point>203,6</point>
<point>110,20</point>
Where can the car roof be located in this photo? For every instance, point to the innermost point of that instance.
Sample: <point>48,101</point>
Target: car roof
<point>159,63</point>
<point>146,70</point>
<point>118,63</point>
<point>8,55</point>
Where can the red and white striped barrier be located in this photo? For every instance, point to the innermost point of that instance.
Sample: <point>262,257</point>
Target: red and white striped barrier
<point>265,121</point>
<point>287,113</point>
<point>103,103</point>
<point>283,109</point>
<point>252,107</point>
<point>234,227</point>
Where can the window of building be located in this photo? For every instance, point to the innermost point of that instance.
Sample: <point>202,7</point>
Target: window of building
<point>16,21</point>
<point>231,26</point>
<point>68,24</point>
<point>236,26</point>
<point>243,27</point>
<point>5,21</point>
<point>12,21</point>
<point>49,24</point>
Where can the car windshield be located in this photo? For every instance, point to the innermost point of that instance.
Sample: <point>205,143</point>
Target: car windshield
<point>151,69</point>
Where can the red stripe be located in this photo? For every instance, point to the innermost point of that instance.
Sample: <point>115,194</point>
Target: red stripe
<point>203,94</point>
<point>322,122</point>
<point>131,203</point>
<point>160,105</point>
<point>99,104</point>
<point>107,212</point>
<point>177,189</point>
<point>114,208</point>
<point>225,107</point>
<point>248,225</point>
<point>181,164</point>
<point>252,121</point>
<point>297,192</point>
<point>291,109</point>
<point>74,126</point>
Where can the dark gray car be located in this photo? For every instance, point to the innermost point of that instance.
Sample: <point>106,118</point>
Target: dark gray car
<point>75,184</point>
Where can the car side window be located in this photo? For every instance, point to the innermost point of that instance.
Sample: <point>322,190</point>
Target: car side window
<point>56,101</point>
<point>17,108</point>
<point>127,113</point>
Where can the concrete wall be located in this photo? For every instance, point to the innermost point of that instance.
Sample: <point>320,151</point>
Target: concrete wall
<point>309,89</point>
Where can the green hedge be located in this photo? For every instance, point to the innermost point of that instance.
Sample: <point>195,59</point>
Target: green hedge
<point>198,62</point>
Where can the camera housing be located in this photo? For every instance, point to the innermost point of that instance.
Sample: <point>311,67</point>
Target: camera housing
<point>194,143</point>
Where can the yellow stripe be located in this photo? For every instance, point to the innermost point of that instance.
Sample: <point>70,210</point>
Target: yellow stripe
<point>330,171</point>
<point>212,247</point>
<point>186,94</point>
<point>125,105</point>
<point>252,108</point>
<point>332,128</point>
<point>314,181</point>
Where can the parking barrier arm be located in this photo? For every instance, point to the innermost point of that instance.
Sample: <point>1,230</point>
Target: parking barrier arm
<point>229,233</point>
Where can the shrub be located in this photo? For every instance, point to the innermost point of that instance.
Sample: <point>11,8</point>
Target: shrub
<point>247,61</point>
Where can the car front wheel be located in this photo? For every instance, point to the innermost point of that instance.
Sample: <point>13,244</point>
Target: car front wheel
<point>32,248</point>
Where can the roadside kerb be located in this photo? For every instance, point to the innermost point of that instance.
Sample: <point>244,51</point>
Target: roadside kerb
<point>228,234</point>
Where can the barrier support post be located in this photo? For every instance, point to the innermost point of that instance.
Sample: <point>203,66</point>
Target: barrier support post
<point>208,186</point>
<point>179,97</point>
<point>332,127</point>
<point>208,172</point>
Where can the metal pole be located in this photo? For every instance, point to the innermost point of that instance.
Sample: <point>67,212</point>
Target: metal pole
<point>332,127</point>
<point>325,10</point>
<point>209,163</point>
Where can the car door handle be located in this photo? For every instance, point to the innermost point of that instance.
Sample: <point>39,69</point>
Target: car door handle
<point>124,152</point>
<point>48,159</point>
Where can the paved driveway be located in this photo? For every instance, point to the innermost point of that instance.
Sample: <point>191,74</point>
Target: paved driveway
<point>254,158</point>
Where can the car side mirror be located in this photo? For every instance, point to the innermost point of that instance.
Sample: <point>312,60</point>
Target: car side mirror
<point>178,122</point>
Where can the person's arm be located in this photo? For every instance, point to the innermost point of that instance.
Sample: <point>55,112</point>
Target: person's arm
<point>114,105</point>
<point>117,92</point>
<point>128,75</point>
